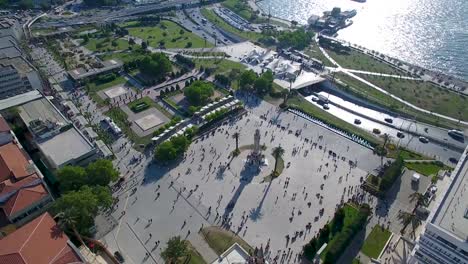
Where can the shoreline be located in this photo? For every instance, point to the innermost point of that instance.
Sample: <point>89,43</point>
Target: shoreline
<point>417,68</point>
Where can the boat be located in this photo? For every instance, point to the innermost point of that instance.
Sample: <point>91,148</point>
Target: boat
<point>388,120</point>
<point>456,134</point>
<point>357,121</point>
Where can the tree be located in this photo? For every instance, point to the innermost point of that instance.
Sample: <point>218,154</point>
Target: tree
<point>277,153</point>
<point>407,218</point>
<point>144,45</point>
<point>236,137</point>
<point>222,79</point>
<point>71,178</point>
<point>175,249</point>
<point>85,39</point>
<point>156,65</point>
<point>165,151</point>
<point>131,41</point>
<point>420,199</point>
<point>83,205</point>
<point>101,172</point>
<point>264,83</point>
<point>198,93</point>
<point>298,39</point>
<point>247,79</point>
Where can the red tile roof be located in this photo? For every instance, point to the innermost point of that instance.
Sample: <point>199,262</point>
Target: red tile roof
<point>22,194</point>
<point>4,127</point>
<point>39,242</point>
<point>13,162</point>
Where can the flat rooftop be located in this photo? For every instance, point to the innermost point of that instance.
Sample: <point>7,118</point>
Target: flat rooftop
<point>19,99</point>
<point>65,147</point>
<point>234,254</point>
<point>80,73</point>
<point>452,213</point>
<point>41,109</point>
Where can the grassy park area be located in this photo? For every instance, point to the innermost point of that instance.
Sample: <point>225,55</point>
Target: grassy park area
<point>372,95</point>
<point>406,155</point>
<point>220,239</point>
<point>167,32</point>
<point>220,66</point>
<point>315,52</point>
<point>148,101</point>
<point>375,242</point>
<point>425,95</point>
<point>215,19</point>
<point>426,168</point>
<point>106,44</point>
<point>359,61</point>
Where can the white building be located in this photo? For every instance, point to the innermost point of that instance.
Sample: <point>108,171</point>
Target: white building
<point>445,237</point>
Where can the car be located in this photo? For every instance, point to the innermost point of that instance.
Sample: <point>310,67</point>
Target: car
<point>453,160</point>
<point>326,106</point>
<point>119,257</point>
<point>388,120</point>
<point>376,131</point>
<point>400,135</point>
<point>357,121</point>
<point>423,140</point>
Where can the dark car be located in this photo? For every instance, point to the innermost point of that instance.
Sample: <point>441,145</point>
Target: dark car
<point>400,135</point>
<point>119,257</point>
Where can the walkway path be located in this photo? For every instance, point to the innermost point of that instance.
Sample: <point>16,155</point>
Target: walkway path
<point>202,247</point>
<point>351,74</point>
<point>382,74</point>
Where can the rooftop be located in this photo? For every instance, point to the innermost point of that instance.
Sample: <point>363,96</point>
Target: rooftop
<point>65,147</point>
<point>80,73</point>
<point>19,99</point>
<point>4,127</point>
<point>41,109</point>
<point>452,212</point>
<point>234,254</point>
<point>21,194</point>
<point>41,241</point>
<point>13,163</point>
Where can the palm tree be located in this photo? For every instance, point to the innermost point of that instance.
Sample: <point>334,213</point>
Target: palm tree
<point>277,153</point>
<point>176,248</point>
<point>236,137</point>
<point>67,221</point>
<point>420,199</point>
<point>407,218</point>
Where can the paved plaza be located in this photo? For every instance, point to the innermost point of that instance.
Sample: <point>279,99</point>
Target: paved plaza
<point>148,122</point>
<point>115,92</point>
<point>209,185</point>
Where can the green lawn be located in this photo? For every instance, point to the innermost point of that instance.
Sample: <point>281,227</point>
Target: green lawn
<point>309,108</point>
<point>168,32</point>
<point>244,10</point>
<point>195,257</point>
<point>125,56</point>
<point>314,52</point>
<point>407,155</point>
<point>374,96</point>
<point>375,242</point>
<point>425,95</point>
<point>105,44</point>
<point>151,103</point>
<point>426,168</point>
<point>221,66</point>
<point>360,61</point>
<point>220,239</point>
<point>215,19</point>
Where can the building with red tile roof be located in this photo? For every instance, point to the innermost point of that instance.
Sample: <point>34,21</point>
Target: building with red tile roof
<point>23,194</point>
<point>40,241</point>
